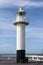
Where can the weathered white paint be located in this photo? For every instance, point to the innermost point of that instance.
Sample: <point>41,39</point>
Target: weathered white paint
<point>21,37</point>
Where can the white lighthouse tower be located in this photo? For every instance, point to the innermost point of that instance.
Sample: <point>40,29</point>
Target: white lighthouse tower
<point>20,23</point>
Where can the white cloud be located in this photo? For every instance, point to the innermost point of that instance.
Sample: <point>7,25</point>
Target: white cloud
<point>34,32</point>
<point>7,30</point>
<point>7,26</point>
<point>20,3</point>
<point>7,36</point>
<point>13,3</point>
<point>4,45</point>
<point>36,4</point>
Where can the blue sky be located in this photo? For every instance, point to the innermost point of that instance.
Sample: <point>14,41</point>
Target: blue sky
<point>34,31</point>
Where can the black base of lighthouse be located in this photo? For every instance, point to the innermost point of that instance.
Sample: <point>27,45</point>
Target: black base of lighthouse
<point>20,56</point>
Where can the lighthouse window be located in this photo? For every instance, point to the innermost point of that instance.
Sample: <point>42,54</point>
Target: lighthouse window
<point>21,13</point>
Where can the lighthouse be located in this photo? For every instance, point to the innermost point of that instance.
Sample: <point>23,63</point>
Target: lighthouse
<point>20,24</point>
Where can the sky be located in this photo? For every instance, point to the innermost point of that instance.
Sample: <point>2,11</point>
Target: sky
<point>33,32</point>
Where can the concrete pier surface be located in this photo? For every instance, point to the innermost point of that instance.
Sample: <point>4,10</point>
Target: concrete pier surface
<point>12,62</point>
